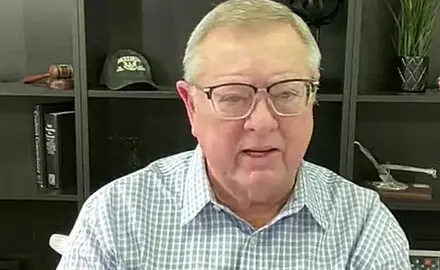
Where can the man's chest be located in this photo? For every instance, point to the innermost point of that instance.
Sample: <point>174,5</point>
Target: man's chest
<point>228,245</point>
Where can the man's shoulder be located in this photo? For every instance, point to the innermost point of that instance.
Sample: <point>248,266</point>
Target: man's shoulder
<point>158,182</point>
<point>359,212</point>
<point>339,195</point>
<point>334,184</point>
<point>354,210</point>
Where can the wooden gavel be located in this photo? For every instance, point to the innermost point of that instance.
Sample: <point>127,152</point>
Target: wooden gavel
<point>55,72</point>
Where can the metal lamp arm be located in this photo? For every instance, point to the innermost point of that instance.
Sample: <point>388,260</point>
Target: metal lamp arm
<point>384,169</point>
<point>370,157</point>
<point>398,167</point>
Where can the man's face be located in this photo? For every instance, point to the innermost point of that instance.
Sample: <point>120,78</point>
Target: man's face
<point>235,150</point>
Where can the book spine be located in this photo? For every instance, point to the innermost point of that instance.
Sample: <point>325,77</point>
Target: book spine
<point>39,147</point>
<point>66,151</point>
<point>51,150</point>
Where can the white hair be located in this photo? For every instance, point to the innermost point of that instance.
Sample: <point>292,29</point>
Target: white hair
<point>239,12</point>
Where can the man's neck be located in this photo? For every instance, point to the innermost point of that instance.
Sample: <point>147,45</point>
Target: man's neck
<point>257,214</point>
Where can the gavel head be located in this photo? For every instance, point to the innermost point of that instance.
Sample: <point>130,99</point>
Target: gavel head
<point>61,71</point>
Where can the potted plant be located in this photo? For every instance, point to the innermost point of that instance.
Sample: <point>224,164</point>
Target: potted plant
<point>414,31</point>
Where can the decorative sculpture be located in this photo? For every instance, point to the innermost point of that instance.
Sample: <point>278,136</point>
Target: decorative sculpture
<point>390,187</point>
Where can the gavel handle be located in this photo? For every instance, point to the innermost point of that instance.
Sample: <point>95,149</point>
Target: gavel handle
<point>34,78</point>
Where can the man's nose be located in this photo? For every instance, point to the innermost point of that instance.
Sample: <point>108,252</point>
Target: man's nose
<point>262,118</point>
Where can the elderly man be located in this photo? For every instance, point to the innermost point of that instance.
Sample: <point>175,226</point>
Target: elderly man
<point>244,198</point>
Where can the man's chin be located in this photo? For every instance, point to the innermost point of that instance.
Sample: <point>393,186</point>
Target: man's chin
<point>263,187</point>
<point>260,179</point>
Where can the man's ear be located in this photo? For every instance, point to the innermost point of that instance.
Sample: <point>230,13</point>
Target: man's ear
<point>316,75</point>
<point>184,93</point>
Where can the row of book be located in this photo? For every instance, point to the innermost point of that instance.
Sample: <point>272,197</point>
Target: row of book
<point>55,146</point>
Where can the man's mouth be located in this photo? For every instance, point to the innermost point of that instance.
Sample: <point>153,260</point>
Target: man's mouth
<point>259,152</point>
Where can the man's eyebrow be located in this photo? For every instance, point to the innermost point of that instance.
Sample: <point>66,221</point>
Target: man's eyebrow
<point>286,76</point>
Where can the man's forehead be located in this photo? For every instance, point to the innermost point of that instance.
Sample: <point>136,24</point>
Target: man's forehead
<point>269,39</point>
<point>240,51</point>
<point>246,32</point>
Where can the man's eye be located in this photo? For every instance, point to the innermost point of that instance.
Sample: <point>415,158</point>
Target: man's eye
<point>231,98</point>
<point>286,94</point>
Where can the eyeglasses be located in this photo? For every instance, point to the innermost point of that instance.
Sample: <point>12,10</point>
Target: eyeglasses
<point>237,100</point>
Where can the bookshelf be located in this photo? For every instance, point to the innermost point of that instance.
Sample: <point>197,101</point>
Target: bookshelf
<point>34,35</point>
<point>117,132</point>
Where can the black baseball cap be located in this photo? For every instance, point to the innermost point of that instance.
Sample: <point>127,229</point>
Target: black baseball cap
<point>125,68</point>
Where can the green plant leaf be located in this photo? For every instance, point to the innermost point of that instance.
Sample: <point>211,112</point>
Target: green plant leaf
<point>414,26</point>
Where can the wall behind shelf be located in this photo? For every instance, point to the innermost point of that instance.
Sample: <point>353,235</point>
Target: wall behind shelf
<point>324,148</point>
<point>421,228</point>
<point>17,173</point>
<point>128,134</point>
<point>34,34</point>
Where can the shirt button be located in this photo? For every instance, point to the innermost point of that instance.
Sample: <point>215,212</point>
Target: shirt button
<point>253,240</point>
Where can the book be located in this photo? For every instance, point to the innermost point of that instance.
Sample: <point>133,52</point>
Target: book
<point>60,150</point>
<point>39,111</point>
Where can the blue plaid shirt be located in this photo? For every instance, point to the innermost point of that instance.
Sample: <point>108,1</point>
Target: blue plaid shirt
<point>164,216</point>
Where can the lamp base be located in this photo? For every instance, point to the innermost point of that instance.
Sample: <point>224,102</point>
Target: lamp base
<point>412,191</point>
<point>390,186</point>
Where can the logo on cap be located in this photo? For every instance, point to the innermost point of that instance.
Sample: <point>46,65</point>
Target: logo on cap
<point>130,63</point>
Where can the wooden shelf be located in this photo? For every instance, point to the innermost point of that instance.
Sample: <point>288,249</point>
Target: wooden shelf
<point>41,197</point>
<point>134,94</point>
<point>430,96</point>
<point>29,192</point>
<point>20,89</point>
<point>330,97</point>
